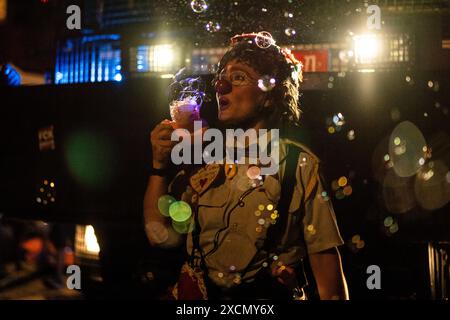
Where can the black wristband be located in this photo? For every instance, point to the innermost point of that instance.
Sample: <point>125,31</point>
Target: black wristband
<point>159,172</point>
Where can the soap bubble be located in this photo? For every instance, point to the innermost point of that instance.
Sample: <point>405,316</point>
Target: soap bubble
<point>253,172</point>
<point>266,83</point>
<point>199,6</point>
<point>183,227</point>
<point>406,149</point>
<point>264,40</point>
<point>212,26</point>
<point>180,211</point>
<point>164,203</point>
<point>290,32</point>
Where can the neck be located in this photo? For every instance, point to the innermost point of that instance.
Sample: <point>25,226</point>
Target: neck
<point>261,124</point>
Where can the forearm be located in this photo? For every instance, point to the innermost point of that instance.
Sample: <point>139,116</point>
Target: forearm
<point>156,187</point>
<point>329,276</point>
<point>158,227</point>
<point>154,220</point>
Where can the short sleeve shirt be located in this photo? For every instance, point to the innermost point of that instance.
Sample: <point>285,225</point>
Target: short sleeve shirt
<point>235,213</point>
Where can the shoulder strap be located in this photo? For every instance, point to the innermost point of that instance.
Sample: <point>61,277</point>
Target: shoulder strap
<point>288,181</point>
<point>311,184</point>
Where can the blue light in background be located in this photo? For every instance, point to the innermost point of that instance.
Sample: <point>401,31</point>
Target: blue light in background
<point>142,59</point>
<point>118,77</point>
<point>107,70</point>
<point>93,65</point>
<point>9,75</point>
<point>99,72</point>
<point>89,59</point>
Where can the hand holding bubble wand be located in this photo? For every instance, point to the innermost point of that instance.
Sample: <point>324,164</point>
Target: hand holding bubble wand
<point>187,95</point>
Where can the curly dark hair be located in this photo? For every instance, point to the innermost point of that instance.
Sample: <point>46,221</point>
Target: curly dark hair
<point>274,62</point>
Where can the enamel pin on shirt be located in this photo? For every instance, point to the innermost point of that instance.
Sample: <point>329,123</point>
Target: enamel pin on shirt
<point>230,170</point>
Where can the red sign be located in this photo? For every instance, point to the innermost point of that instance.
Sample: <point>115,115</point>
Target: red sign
<point>313,60</point>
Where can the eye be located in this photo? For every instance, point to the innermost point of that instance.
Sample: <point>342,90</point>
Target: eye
<point>238,76</point>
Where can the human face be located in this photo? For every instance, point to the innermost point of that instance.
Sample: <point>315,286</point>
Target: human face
<point>242,104</point>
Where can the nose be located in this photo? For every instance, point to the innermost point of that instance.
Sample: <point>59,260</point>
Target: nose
<point>223,87</point>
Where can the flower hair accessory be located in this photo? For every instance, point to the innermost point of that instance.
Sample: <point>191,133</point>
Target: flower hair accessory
<point>292,60</point>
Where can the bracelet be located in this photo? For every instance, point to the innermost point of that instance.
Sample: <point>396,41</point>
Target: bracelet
<point>159,172</point>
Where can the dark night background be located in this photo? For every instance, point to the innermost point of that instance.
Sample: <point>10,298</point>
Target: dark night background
<point>114,119</point>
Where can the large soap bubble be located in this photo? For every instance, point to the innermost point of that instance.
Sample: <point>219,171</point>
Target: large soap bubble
<point>406,149</point>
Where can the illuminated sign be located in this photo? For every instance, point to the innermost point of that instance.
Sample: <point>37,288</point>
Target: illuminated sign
<point>313,60</point>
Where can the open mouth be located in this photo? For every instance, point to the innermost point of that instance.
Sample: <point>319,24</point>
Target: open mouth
<point>224,103</point>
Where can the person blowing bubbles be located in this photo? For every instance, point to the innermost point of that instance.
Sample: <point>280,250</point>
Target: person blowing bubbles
<point>250,242</point>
